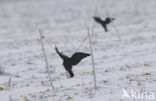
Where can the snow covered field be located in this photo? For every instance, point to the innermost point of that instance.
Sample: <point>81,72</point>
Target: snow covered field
<point>127,64</point>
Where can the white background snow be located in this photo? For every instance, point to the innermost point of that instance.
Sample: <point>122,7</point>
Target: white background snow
<point>128,64</point>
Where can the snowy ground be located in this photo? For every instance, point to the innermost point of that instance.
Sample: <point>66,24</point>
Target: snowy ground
<point>128,64</point>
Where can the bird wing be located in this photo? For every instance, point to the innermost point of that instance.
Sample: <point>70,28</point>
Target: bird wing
<point>60,54</point>
<point>109,20</point>
<point>98,19</point>
<point>77,57</point>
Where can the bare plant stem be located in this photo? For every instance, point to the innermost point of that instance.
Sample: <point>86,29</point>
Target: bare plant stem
<point>9,82</point>
<point>92,59</point>
<point>117,32</point>
<point>93,24</point>
<point>45,57</point>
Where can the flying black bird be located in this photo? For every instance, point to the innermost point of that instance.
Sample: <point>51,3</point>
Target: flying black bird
<point>104,22</point>
<point>68,62</point>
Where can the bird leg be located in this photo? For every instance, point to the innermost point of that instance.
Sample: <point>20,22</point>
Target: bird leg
<point>67,75</point>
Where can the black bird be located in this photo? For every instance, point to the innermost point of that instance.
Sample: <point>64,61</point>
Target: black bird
<point>68,62</point>
<point>104,22</point>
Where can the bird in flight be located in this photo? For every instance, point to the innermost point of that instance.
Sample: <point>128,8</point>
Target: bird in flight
<point>68,62</point>
<point>103,22</point>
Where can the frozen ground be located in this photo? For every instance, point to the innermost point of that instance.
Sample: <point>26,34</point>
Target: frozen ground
<point>129,64</point>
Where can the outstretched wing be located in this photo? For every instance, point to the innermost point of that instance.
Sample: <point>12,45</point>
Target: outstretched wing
<point>109,20</point>
<point>60,54</point>
<point>98,19</point>
<point>77,57</point>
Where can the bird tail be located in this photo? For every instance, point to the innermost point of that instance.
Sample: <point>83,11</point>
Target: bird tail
<point>60,54</point>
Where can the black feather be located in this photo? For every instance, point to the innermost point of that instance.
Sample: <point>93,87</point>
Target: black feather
<point>77,57</point>
<point>97,19</point>
<point>73,60</point>
<point>104,22</point>
<point>60,54</point>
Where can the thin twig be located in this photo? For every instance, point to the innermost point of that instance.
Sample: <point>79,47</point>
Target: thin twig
<point>92,59</point>
<point>93,24</point>
<point>45,57</point>
<point>81,44</point>
<point>116,30</point>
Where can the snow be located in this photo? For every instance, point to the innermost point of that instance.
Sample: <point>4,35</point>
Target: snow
<point>127,64</point>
